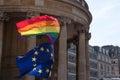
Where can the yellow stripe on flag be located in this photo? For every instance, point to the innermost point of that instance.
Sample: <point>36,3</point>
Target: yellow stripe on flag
<point>40,25</point>
<point>41,30</point>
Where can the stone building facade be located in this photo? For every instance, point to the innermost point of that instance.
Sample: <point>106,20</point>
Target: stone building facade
<point>93,57</point>
<point>115,68</point>
<point>72,62</point>
<point>74,18</point>
<point>114,53</point>
<point>104,63</point>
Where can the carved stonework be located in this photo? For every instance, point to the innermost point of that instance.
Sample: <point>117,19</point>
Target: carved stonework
<point>80,28</point>
<point>64,20</point>
<point>87,36</point>
<point>31,14</point>
<point>3,16</point>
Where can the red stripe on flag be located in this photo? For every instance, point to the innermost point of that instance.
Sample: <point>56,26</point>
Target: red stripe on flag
<point>34,20</point>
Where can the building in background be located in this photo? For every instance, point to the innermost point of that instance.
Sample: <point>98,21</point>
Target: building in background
<point>115,68</point>
<point>93,57</point>
<point>108,61</point>
<point>72,62</point>
<point>114,53</point>
<point>104,63</point>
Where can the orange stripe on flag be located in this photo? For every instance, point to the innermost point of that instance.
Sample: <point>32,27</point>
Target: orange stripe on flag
<point>40,25</point>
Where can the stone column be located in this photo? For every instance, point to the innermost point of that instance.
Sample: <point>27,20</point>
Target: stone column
<point>31,41</point>
<point>88,36</point>
<point>1,36</point>
<point>62,54</point>
<point>81,56</point>
<point>31,44</point>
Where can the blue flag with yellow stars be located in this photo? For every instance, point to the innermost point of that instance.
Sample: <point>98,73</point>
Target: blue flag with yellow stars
<point>36,62</point>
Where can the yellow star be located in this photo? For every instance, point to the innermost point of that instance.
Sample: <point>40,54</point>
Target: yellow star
<point>40,71</point>
<point>34,69</point>
<point>34,59</point>
<point>42,49</point>
<point>36,53</point>
<point>48,50</point>
<point>47,70</point>
<point>34,65</point>
<point>51,55</point>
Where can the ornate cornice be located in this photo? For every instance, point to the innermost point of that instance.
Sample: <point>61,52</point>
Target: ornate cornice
<point>84,29</point>
<point>84,19</point>
<point>80,28</point>
<point>64,20</point>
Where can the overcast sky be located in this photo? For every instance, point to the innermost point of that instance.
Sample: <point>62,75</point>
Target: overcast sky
<point>105,26</point>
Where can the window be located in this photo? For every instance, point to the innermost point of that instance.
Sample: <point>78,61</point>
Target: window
<point>72,69</point>
<point>99,57</point>
<point>112,68</point>
<point>93,56</point>
<point>71,77</point>
<point>93,65</point>
<point>71,58</point>
<point>101,66</point>
<point>93,73</point>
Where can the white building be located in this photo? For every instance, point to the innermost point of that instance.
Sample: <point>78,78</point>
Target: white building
<point>93,64</point>
<point>115,68</point>
<point>72,62</point>
<point>104,63</point>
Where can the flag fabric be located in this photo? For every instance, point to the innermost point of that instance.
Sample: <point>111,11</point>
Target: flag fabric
<point>42,70</point>
<point>40,25</point>
<point>37,61</point>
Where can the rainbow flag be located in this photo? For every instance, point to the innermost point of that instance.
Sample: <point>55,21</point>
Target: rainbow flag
<point>40,25</point>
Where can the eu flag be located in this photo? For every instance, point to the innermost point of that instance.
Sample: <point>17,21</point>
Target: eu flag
<point>37,61</point>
